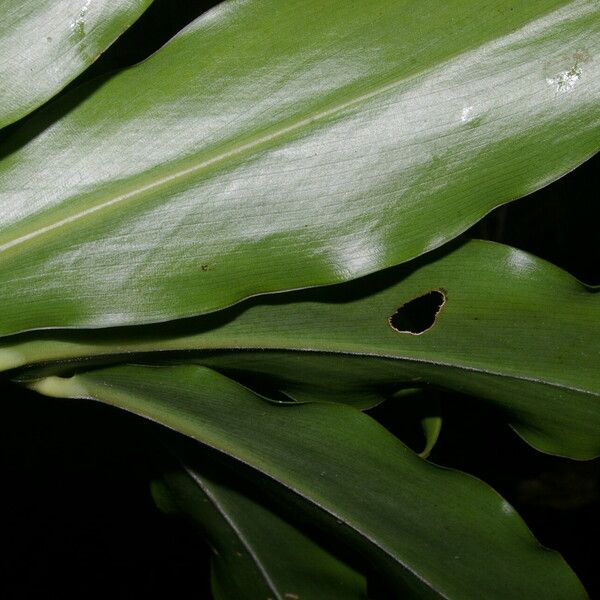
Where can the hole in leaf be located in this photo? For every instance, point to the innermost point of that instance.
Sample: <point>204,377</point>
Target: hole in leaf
<point>418,315</point>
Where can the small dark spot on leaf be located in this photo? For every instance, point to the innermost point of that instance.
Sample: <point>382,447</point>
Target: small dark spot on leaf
<point>418,315</point>
<point>204,268</point>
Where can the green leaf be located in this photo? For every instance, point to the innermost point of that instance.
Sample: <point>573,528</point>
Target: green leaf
<point>45,44</point>
<point>275,145</point>
<point>256,554</point>
<point>432,427</point>
<point>419,407</point>
<point>437,532</point>
<point>514,330</point>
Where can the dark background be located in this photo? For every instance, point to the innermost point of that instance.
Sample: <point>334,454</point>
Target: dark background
<point>79,520</point>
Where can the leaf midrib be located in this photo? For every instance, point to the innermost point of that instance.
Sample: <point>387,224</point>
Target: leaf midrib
<point>239,534</point>
<point>217,444</point>
<point>347,353</point>
<point>206,164</point>
<point>340,519</point>
<point>247,147</point>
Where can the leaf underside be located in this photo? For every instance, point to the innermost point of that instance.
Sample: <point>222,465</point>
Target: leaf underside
<point>256,554</point>
<point>421,525</point>
<point>515,331</point>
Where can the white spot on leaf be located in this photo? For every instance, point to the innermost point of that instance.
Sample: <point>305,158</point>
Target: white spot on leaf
<point>78,25</point>
<point>565,81</point>
<point>467,114</point>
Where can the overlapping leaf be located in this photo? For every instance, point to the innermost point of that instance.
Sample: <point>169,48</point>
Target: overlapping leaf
<point>45,44</point>
<point>514,330</point>
<point>436,532</point>
<point>256,554</point>
<point>275,145</point>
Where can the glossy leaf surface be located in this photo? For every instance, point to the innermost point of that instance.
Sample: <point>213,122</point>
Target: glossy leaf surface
<point>424,526</point>
<point>45,44</point>
<point>514,330</point>
<point>276,145</point>
<point>256,554</point>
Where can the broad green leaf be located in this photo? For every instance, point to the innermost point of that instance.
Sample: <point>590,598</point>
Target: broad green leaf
<point>256,554</point>
<point>438,532</point>
<point>276,145</point>
<point>514,330</point>
<point>45,44</point>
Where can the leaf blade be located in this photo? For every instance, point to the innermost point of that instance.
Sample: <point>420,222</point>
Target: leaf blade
<point>44,45</point>
<point>410,517</point>
<point>256,554</point>
<point>272,161</point>
<point>515,331</point>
